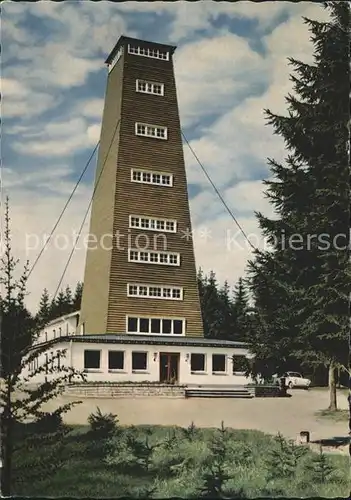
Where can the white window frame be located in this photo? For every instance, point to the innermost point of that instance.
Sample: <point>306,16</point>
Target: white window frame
<point>152,53</point>
<point>152,173</point>
<point>138,370</point>
<point>148,134</point>
<point>116,370</point>
<point>149,296</point>
<point>149,257</point>
<point>92,370</point>
<point>150,87</point>
<point>195,372</point>
<point>172,319</point>
<point>225,371</point>
<point>152,221</point>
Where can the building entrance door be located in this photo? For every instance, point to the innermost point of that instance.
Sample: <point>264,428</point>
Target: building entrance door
<point>169,367</point>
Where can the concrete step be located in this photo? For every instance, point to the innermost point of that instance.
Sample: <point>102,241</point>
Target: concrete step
<point>217,393</point>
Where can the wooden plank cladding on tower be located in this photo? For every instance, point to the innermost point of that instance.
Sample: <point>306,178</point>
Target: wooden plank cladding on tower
<point>140,273</point>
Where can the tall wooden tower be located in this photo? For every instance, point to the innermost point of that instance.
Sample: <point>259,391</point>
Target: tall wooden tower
<point>140,274</point>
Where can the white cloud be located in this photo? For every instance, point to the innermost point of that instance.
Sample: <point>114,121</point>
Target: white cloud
<point>59,139</point>
<point>19,101</point>
<point>197,66</point>
<point>91,108</point>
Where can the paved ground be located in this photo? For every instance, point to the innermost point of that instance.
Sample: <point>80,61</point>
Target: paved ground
<point>286,415</point>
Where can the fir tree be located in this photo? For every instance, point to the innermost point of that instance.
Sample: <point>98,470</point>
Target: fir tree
<point>77,298</point>
<point>301,287</point>
<point>43,314</point>
<point>17,325</point>
<point>226,330</point>
<point>320,468</point>
<point>216,470</point>
<point>18,330</point>
<point>282,460</point>
<point>68,300</point>
<point>210,305</point>
<point>240,311</point>
<point>60,304</point>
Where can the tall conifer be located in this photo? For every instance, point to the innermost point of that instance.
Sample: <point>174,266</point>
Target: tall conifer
<point>301,288</point>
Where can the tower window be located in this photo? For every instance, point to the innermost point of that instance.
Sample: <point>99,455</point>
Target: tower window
<point>149,87</point>
<point>167,225</point>
<point>154,291</point>
<point>164,258</point>
<point>154,131</point>
<point>132,325</point>
<point>156,178</point>
<point>154,326</point>
<point>153,53</point>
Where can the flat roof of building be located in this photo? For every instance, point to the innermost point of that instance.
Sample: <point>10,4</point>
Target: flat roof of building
<point>155,340</point>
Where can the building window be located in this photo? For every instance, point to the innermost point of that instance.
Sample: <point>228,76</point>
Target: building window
<point>155,178</point>
<point>139,361</point>
<point>46,336</point>
<point>132,326</point>
<point>177,327</point>
<point>164,258</point>
<point>152,53</point>
<point>149,87</point>
<point>154,292</point>
<point>60,331</point>
<point>167,326</point>
<point>156,326</point>
<point>59,360</point>
<point>197,362</point>
<point>155,131</point>
<point>92,360</point>
<point>115,360</point>
<point>152,224</point>
<point>219,363</point>
<point>162,326</point>
<point>54,331</point>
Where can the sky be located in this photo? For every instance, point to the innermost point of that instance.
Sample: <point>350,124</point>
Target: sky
<point>230,64</point>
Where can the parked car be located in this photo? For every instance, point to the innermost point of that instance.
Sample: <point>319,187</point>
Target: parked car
<point>295,379</point>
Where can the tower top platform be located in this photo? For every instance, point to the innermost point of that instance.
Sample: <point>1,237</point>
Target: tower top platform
<point>125,40</point>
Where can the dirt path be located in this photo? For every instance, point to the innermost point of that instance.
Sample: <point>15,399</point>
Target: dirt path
<point>271,415</point>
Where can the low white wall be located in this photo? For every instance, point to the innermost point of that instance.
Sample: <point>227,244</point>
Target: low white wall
<point>152,373</point>
<point>75,358</point>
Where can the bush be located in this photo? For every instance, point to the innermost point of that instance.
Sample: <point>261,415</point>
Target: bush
<point>48,423</point>
<point>102,425</point>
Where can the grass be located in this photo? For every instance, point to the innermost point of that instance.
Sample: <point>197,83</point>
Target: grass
<point>166,462</point>
<point>336,415</point>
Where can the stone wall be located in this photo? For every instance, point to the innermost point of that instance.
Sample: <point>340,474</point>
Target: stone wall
<point>125,390</point>
<point>264,391</point>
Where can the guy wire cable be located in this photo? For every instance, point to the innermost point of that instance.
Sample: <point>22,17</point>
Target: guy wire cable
<point>63,210</point>
<point>86,213</point>
<point>218,193</point>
